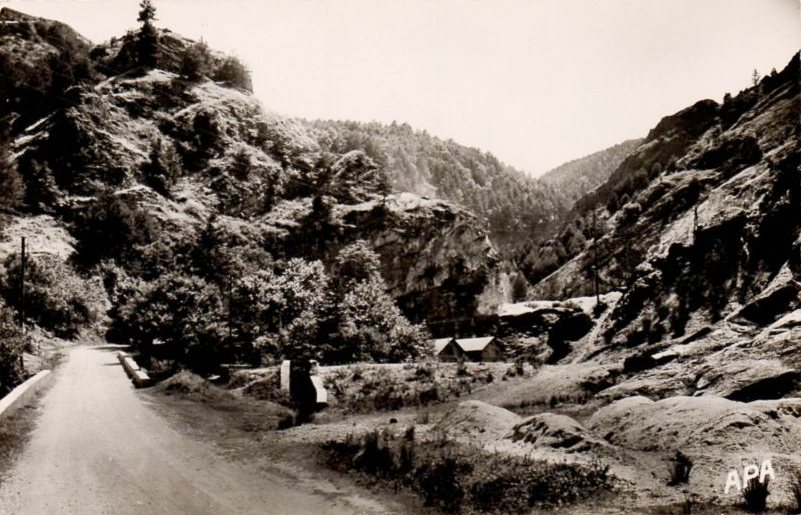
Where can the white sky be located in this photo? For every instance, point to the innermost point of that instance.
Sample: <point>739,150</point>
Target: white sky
<point>536,82</point>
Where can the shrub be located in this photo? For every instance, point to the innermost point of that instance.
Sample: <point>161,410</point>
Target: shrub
<point>234,73</point>
<point>56,298</point>
<point>186,314</point>
<point>12,344</point>
<point>439,482</point>
<point>425,372</point>
<point>680,471</point>
<point>12,188</point>
<point>452,477</point>
<point>795,491</point>
<point>196,62</point>
<point>161,169</point>
<point>119,223</point>
<point>755,495</point>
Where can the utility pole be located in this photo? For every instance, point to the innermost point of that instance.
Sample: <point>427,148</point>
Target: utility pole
<point>595,258</point>
<point>22,288</point>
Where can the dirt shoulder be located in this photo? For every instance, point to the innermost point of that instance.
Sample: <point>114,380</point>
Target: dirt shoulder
<point>244,430</point>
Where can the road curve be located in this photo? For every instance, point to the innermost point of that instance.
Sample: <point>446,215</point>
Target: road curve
<point>99,449</point>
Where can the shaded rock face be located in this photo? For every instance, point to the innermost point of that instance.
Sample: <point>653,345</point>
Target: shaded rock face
<point>767,307</point>
<point>436,262</point>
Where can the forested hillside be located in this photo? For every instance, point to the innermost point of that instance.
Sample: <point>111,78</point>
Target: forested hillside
<point>576,178</point>
<point>162,205</point>
<point>518,209</point>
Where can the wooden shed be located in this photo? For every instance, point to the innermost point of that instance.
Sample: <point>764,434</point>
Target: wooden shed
<point>446,349</point>
<point>486,348</point>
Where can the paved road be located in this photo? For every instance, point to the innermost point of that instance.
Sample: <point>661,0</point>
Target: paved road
<point>99,449</point>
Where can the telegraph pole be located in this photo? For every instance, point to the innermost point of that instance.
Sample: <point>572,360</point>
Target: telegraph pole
<point>595,258</point>
<point>22,288</point>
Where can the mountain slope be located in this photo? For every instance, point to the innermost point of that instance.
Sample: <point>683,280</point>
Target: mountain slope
<point>576,178</point>
<point>39,60</point>
<point>517,208</point>
<point>715,231</point>
<point>174,179</point>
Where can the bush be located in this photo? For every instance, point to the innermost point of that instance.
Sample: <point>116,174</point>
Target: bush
<point>452,477</point>
<point>161,169</point>
<point>12,344</point>
<point>196,62</point>
<point>119,223</point>
<point>56,298</point>
<point>234,73</point>
<point>439,482</point>
<point>755,495</point>
<point>680,472</point>
<point>186,314</point>
<point>12,188</point>
<point>795,491</point>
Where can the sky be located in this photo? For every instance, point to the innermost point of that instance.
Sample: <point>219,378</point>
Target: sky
<point>535,82</point>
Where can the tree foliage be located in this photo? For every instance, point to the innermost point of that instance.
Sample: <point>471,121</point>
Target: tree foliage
<point>161,169</point>
<point>56,297</point>
<point>196,62</point>
<point>12,344</point>
<point>12,188</point>
<point>234,73</point>
<point>148,36</point>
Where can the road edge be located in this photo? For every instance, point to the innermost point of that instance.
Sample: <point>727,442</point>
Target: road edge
<point>20,395</point>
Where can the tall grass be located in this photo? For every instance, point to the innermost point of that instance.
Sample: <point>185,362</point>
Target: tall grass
<point>453,477</point>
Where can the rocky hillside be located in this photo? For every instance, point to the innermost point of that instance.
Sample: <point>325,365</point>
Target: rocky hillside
<point>517,208</point>
<point>681,183</point>
<point>40,59</point>
<point>177,169</point>
<point>701,223</point>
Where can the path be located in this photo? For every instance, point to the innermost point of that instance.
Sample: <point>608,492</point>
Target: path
<point>99,449</point>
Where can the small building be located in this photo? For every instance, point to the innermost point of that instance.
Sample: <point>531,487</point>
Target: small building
<point>446,349</point>
<point>487,348</point>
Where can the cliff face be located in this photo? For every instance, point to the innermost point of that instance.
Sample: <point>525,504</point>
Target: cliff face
<point>436,262</point>
<point>712,232</point>
<point>153,157</point>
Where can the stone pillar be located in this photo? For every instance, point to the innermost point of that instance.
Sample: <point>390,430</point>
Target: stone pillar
<point>284,375</point>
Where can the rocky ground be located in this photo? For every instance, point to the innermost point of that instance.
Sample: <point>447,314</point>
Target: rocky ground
<point>710,395</point>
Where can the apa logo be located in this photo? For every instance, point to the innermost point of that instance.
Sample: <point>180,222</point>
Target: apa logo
<point>763,472</point>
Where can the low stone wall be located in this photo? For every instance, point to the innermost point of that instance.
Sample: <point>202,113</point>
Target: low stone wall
<point>138,376</point>
<point>23,393</point>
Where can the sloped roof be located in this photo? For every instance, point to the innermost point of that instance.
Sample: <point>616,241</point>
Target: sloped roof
<point>440,344</point>
<point>474,344</point>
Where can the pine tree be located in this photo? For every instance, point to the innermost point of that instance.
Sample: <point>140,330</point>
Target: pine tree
<point>148,44</point>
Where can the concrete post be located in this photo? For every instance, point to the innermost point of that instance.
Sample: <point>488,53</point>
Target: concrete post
<point>284,375</point>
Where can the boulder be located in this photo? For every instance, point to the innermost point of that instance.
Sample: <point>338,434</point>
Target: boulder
<point>557,431</point>
<point>698,423</point>
<point>476,418</point>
